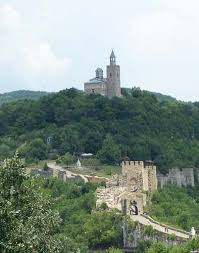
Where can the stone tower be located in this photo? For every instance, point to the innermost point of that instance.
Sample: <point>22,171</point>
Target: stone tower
<point>113,78</point>
<point>140,176</point>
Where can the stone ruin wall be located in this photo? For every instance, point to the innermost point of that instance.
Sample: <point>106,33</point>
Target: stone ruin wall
<point>132,237</point>
<point>122,190</point>
<point>184,177</point>
<point>152,178</point>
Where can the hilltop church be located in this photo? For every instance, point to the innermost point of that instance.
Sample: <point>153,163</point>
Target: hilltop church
<point>109,86</point>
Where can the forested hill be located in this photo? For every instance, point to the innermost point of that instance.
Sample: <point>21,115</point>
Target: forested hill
<point>35,95</point>
<point>138,126</point>
<point>21,94</point>
<point>159,96</point>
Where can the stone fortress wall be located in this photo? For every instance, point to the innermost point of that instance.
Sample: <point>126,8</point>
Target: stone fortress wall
<point>127,192</point>
<point>138,178</point>
<point>143,174</point>
<point>184,177</point>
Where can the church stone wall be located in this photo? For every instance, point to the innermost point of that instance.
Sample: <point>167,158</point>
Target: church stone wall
<point>109,86</point>
<point>113,81</point>
<point>95,88</point>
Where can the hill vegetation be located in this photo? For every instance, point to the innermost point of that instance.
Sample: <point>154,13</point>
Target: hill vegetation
<point>137,126</point>
<point>75,203</point>
<point>21,95</point>
<point>51,216</point>
<point>160,97</point>
<point>176,206</point>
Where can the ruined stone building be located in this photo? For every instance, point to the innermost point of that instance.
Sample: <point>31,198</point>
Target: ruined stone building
<point>108,86</point>
<point>127,192</point>
<point>183,177</point>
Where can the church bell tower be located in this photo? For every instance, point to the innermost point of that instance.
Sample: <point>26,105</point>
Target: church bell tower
<point>113,78</point>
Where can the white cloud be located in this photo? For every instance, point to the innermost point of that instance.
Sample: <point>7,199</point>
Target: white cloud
<point>32,63</point>
<point>41,61</point>
<point>8,15</point>
<point>40,68</point>
<point>164,30</point>
<point>164,46</point>
<point>154,33</point>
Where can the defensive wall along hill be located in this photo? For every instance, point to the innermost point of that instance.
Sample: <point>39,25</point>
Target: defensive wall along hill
<point>128,193</point>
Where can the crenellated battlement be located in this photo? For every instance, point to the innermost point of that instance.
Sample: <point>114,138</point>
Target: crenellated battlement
<point>141,173</point>
<point>133,163</point>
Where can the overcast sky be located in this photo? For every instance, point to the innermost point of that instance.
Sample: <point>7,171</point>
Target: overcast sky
<point>52,45</point>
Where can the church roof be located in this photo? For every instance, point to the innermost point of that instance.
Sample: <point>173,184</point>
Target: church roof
<point>99,69</point>
<point>112,54</point>
<point>96,81</point>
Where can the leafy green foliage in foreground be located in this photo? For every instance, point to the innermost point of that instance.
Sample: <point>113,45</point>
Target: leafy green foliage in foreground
<point>27,221</point>
<point>176,206</point>
<point>30,223</point>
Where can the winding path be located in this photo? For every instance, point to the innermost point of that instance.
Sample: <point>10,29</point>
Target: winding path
<point>160,227</point>
<point>56,168</point>
<point>69,174</point>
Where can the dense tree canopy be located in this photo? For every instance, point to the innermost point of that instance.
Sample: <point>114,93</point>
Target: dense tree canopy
<point>31,222</point>
<point>140,126</point>
<point>27,221</point>
<point>176,206</point>
<point>110,153</point>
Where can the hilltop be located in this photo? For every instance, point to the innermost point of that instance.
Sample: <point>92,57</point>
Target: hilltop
<point>35,95</point>
<point>161,97</point>
<point>20,95</point>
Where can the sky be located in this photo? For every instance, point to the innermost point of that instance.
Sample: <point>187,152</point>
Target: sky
<point>53,45</point>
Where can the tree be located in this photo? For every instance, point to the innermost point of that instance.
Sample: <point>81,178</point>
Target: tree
<point>4,151</point>
<point>69,159</point>
<point>35,150</point>
<point>110,153</point>
<point>158,248</point>
<point>103,230</point>
<point>27,222</point>
<point>149,231</point>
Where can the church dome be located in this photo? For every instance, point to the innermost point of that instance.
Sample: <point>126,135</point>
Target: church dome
<point>99,73</point>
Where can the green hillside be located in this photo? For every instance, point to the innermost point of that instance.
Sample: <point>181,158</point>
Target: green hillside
<point>159,96</point>
<point>20,95</point>
<point>137,126</point>
<point>176,206</point>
